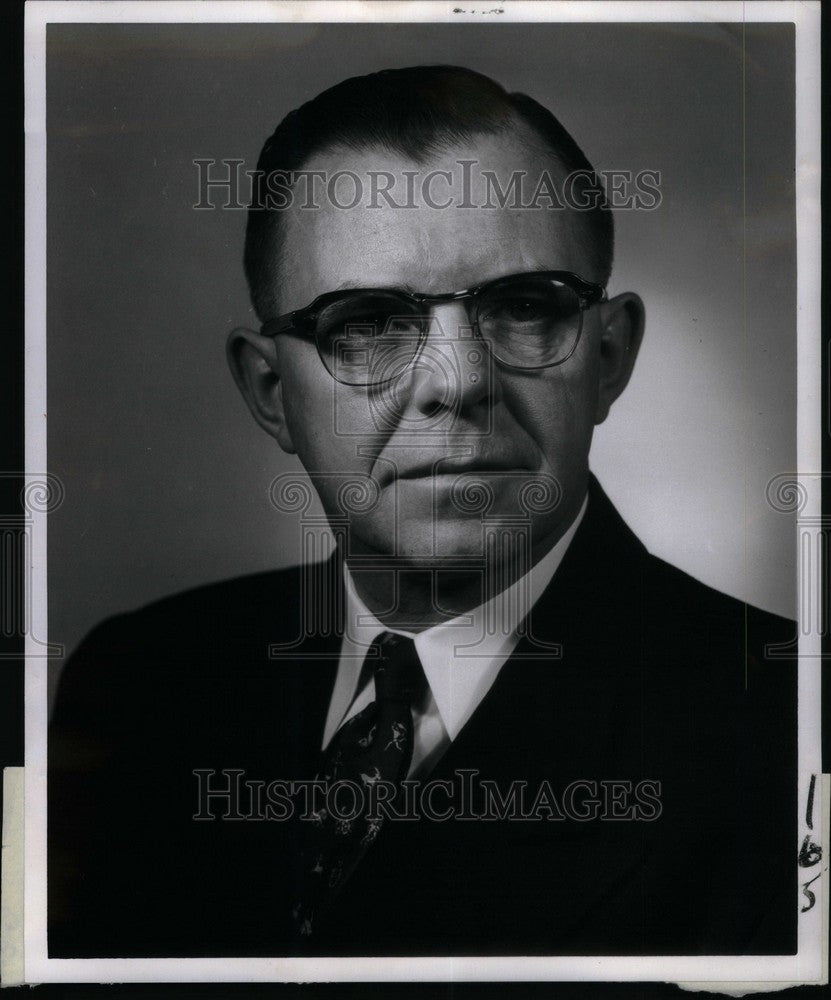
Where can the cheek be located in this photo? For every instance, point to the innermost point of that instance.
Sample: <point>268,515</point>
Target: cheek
<point>327,421</point>
<point>558,408</point>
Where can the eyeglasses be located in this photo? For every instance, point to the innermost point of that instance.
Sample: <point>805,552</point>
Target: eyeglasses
<point>369,336</point>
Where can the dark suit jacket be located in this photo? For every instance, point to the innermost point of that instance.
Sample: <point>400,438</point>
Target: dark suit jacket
<point>660,678</point>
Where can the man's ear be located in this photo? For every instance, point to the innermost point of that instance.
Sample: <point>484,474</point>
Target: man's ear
<point>252,359</point>
<point>622,320</point>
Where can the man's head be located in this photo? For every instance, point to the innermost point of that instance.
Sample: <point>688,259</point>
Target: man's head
<point>417,112</point>
<point>458,424</point>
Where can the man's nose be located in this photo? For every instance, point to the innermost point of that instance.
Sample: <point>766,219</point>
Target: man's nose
<point>453,371</point>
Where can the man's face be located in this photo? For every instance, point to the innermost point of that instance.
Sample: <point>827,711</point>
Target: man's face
<point>456,427</point>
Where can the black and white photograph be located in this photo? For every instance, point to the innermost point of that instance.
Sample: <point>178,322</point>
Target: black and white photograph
<point>424,405</point>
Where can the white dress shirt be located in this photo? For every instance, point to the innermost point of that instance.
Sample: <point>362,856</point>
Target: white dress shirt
<point>461,657</point>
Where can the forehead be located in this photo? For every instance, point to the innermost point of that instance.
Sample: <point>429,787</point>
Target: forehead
<point>418,240</point>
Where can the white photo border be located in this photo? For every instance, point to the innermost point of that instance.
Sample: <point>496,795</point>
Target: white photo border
<point>804,967</point>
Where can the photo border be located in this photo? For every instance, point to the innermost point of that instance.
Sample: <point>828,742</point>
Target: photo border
<point>807,964</point>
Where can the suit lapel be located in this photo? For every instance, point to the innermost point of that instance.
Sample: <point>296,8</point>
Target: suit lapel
<point>306,665</point>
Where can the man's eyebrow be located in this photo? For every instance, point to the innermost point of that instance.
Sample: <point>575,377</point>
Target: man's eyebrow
<point>345,286</point>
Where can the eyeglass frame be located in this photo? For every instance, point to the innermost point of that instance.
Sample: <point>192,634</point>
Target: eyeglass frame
<point>300,321</point>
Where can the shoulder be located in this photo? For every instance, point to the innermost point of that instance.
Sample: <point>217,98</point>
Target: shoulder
<point>262,603</point>
<point>649,589</point>
<point>709,656</point>
<point>700,649</point>
<point>209,638</point>
<point>680,595</point>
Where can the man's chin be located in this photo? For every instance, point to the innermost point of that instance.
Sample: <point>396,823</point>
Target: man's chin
<point>435,525</point>
<point>441,543</point>
<point>460,543</point>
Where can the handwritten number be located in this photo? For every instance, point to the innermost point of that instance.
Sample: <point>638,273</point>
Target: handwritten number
<point>809,810</point>
<point>806,892</point>
<point>810,854</point>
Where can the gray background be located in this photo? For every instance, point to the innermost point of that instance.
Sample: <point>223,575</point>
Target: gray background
<point>167,477</point>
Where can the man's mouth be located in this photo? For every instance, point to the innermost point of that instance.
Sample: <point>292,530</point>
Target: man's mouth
<point>459,467</point>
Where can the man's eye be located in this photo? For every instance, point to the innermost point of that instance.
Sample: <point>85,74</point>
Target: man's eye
<point>408,325</point>
<point>521,310</point>
<point>367,325</point>
<point>378,325</point>
<point>354,325</point>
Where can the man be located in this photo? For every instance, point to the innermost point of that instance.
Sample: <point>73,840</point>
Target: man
<point>573,738</point>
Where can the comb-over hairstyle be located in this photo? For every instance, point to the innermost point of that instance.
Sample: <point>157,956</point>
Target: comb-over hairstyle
<point>417,111</point>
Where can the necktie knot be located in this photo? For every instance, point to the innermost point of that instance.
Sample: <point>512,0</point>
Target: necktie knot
<point>398,673</point>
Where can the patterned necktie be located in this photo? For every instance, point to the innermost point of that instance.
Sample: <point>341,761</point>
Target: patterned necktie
<point>372,747</point>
